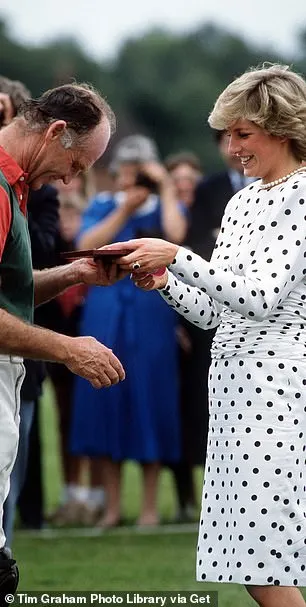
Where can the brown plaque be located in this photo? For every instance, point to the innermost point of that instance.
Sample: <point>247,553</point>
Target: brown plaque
<point>107,255</point>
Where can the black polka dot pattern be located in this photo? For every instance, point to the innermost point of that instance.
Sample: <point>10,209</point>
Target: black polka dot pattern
<point>251,276</point>
<point>251,269</point>
<point>253,508</point>
<point>253,520</point>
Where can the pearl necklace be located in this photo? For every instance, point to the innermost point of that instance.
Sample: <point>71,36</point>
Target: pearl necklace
<point>271,184</point>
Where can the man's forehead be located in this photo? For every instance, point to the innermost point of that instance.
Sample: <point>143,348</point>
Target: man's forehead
<point>97,141</point>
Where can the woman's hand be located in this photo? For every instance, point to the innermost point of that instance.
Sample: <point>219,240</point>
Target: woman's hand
<point>150,282</point>
<point>156,171</point>
<point>134,198</point>
<point>149,254</point>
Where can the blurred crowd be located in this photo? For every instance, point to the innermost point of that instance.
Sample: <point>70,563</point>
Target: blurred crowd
<point>157,417</point>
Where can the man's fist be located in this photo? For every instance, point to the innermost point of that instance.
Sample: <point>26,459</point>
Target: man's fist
<point>95,362</point>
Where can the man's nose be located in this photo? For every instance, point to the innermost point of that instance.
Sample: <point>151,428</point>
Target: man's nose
<point>66,179</point>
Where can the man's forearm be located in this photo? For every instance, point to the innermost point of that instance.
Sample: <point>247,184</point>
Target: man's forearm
<point>84,356</point>
<point>21,339</point>
<point>49,283</point>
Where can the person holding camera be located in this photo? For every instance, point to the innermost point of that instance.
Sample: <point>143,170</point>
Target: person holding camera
<point>141,421</point>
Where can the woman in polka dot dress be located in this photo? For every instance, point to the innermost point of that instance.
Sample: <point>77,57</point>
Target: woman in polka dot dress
<point>253,525</point>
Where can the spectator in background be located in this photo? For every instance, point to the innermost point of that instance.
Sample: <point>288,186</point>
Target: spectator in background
<point>63,315</point>
<point>141,421</point>
<point>42,223</point>
<point>83,185</point>
<point>185,171</point>
<point>79,503</point>
<point>13,93</point>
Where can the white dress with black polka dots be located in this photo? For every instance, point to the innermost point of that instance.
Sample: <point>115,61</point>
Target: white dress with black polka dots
<point>253,525</point>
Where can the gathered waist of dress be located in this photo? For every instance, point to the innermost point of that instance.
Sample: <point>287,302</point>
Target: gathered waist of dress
<point>278,336</point>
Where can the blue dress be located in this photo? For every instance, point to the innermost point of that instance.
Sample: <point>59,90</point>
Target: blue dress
<point>139,418</point>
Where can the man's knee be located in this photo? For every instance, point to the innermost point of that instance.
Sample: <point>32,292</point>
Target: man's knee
<point>9,575</point>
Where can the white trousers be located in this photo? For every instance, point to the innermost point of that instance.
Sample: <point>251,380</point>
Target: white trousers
<point>12,374</point>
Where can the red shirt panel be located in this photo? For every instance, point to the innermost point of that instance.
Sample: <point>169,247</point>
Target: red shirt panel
<point>16,178</point>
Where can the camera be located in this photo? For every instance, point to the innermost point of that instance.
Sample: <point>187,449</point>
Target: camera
<point>145,181</point>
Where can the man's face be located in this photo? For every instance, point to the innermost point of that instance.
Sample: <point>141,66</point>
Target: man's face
<point>54,162</point>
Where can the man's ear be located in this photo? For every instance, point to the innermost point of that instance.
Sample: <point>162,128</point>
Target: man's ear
<point>55,131</point>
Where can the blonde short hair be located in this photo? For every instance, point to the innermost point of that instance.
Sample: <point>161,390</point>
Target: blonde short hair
<point>273,97</point>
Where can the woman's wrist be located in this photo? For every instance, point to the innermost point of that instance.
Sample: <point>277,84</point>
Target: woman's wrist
<point>174,251</point>
<point>163,280</point>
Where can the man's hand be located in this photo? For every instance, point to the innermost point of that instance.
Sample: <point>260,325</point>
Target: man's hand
<point>53,281</point>
<point>98,273</point>
<point>95,362</point>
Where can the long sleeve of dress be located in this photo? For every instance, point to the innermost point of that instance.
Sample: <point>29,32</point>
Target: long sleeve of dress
<point>270,271</point>
<point>191,302</point>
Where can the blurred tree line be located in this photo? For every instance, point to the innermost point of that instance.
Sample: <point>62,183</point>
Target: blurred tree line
<point>161,84</point>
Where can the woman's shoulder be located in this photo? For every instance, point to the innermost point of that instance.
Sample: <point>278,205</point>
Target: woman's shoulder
<point>297,182</point>
<point>294,189</point>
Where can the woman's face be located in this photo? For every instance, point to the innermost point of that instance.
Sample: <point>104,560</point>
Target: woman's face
<point>126,175</point>
<point>69,222</point>
<point>261,154</point>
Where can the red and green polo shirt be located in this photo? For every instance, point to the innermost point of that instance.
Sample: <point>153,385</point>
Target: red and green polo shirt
<point>16,274</point>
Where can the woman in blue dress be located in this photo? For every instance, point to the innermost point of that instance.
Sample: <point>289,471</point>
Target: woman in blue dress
<point>138,419</point>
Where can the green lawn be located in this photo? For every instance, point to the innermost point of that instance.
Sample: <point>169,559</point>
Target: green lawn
<point>117,560</point>
<point>112,562</point>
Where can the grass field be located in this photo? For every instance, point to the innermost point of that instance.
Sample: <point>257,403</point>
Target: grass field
<point>124,559</point>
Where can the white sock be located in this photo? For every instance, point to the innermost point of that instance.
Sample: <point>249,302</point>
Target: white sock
<point>78,493</point>
<point>96,497</point>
